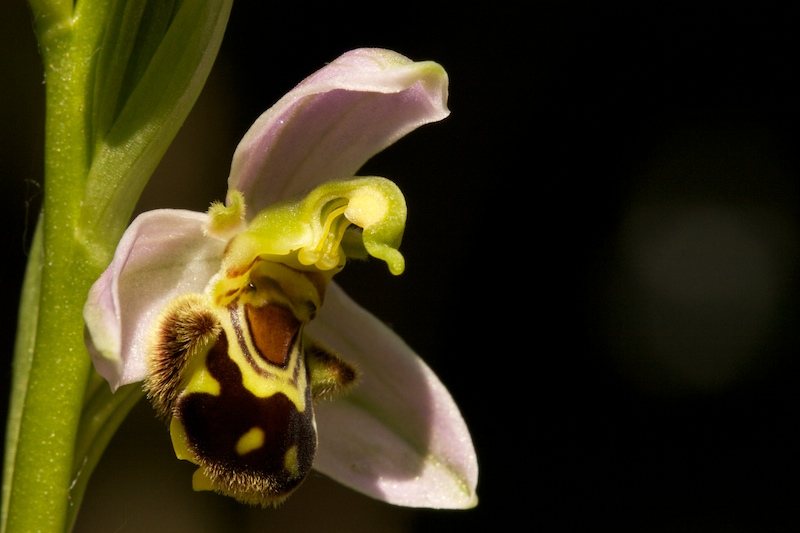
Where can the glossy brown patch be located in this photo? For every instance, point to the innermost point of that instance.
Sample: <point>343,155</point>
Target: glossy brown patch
<point>274,330</point>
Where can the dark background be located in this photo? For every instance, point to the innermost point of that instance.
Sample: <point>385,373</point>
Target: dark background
<point>602,258</point>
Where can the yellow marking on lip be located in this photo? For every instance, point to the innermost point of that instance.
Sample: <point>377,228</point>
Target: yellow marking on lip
<point>291,381</point>
<point>290,461</point>
<point>252,440</point>
<point>180,442</point>
<point>203,381</point>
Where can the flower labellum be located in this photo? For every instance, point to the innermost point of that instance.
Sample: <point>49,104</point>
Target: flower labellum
<point>214,311</point>
<point>231,369</point>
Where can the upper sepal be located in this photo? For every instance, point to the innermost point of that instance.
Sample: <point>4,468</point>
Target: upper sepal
<point>330,124</point>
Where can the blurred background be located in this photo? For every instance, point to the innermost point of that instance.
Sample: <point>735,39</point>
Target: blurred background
<point>602,256</point>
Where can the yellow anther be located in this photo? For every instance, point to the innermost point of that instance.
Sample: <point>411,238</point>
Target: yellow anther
<point>326,230</point>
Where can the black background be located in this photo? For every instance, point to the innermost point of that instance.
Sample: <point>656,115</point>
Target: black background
<point>581,135</point>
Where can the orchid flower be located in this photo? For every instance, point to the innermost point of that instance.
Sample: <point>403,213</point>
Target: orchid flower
<point>187,290</point>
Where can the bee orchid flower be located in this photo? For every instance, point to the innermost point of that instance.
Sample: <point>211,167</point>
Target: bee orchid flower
<point>260,364</point>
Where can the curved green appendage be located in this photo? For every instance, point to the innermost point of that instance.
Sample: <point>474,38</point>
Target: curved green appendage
<point>309,233</point>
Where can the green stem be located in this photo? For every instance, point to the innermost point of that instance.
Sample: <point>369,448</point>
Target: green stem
<point>55,376</point>
<point>99,153</point>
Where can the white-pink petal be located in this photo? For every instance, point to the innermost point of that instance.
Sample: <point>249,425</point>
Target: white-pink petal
<point>162,254</point>
<point>399,436</point>
<point>334,121</point>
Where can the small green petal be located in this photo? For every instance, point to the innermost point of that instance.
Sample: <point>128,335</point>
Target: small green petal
<point>225,221</point>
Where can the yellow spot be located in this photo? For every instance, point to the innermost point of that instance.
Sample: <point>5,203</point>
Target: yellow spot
<point>367,208</point>
<point>203,381</point>
<point>290,461</point>
<point>252,440</point>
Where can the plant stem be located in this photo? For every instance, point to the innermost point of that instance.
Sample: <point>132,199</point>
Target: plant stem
<point>56,373</point>
<point>99,154</point>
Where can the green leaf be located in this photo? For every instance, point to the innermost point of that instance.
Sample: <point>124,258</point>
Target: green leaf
<point>23,360</point>
<point>144,102</point>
